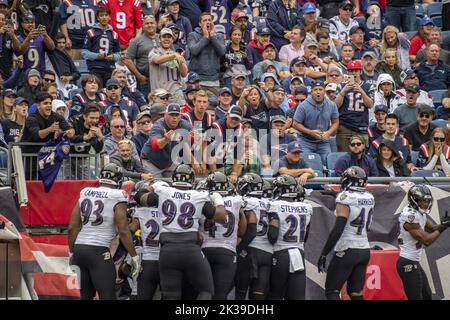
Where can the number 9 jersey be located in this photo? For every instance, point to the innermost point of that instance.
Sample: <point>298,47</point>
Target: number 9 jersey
<point>361,206</point>
<point>97,215</point>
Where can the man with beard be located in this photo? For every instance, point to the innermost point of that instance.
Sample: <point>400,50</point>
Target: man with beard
<point>256,47</point>
<point>369,75</point>
<point>127,91</point>
<point>189,94</point>
<point>114,97</point>
<point>356,157</point>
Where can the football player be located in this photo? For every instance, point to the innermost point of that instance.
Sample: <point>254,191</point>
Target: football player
<point>180,253</point>
<point>354,209</point>
<point>219,240</point>
<point>97,215</point>
<point>293,216</point>
<point>255,261</point>
<point>417,229</point>
<point>148,220</point>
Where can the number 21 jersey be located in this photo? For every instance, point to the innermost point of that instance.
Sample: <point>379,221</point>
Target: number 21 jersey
<point>97,215</point>
<point>361,206</point>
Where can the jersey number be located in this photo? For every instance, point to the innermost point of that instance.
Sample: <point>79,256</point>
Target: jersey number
<point>216,11</point>
<point>210,226</point>
<point>186,218</point>
<point>263,222</point>
<point>154,231</point>
<point>104,45</point>
<point>80,18</point>
<point>121,20</point>
<point>290,235</point>
<point>33,57</point>
<point>87,207</point>
<point>361,223</point>
<point>355,102</point>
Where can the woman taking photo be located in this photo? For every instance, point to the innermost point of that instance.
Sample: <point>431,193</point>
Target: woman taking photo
<point>435,154</point>
<point>12,128</point>
<point>391,38</point>
<point>389,162</point>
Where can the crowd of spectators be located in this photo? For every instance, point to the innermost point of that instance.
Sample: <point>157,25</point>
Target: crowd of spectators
<point>234,85</point>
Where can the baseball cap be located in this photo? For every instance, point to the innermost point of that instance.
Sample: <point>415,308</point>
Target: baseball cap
<point>297,60</point>
<point>157,108</point>
<point>277,87</point>
<point>278,118</point>
<point>369,54</point>
<point>56,103</point>
<point>193,77</point>
<point>358,137</point>
<point>412,88</point>
<point>34,73</point>
<point>333,67</point>
<point>262,30</point>
<point>9,92</point>
<point>173,108</point>
<point>165,31</point>
<point>224,90</point>
<point>301,90</point>
<point>28,16</point>
<point>173,26</point>
<point>354,65</point>
<point>143,114</point>
<point>190,88</point>
<point>269,75</point>
<point>112,82</point>
<point>20,100</point>
<point>269,44</point>
<point>408,74</point>
<point>356,28</point>
<point>4,2</point>
<point>381,107</point>
<point>344,4</point>
<point>309,7</point>
<point>239,15</point>
<point>267,64</point>
<point>426,21</point>
<point>423,108</point>
<point>169,2</point>
<point>294,146</point>
<point>317,83</point>
<point>297,78</point>
<point>160,92</point>
<point>309,42</point>
<point>247,120</point>
<point>331,87</point>
<point>238,74</point>
<point>235,112</point>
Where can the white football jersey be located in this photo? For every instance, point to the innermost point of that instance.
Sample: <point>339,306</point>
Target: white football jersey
<point>410,248</point>
<point>218,235</point>
<point>294,219</point>
<point>259,206</point>
<point>97,215</point>
<point>150,222</point>
<point>339,30</point>
<point>361,206</point>
<point>180,209</point>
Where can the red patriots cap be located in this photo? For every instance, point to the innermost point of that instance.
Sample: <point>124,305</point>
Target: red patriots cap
<point>354,65</point>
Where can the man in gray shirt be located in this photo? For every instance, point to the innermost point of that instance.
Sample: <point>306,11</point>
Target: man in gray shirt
<point>137,54</point>
<point>407,113</point>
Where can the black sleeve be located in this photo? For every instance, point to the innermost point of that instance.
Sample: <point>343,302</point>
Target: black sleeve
<point>249,235</point>
<point>272,234</point>
<point>208,210</point>
<point>334,235</point>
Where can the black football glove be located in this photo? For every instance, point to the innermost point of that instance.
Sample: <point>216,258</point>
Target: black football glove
<point>445,223</point>
<point>321,264</point>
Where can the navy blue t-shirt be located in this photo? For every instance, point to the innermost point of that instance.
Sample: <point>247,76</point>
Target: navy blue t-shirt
<point>353,114</point>
<point>284,163</point>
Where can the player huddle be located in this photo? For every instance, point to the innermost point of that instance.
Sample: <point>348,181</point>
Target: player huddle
<point>202,240</point>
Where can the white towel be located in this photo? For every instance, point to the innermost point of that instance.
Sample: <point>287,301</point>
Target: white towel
<point>295,260</point>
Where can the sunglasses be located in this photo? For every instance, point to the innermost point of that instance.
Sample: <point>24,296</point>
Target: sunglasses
<point>49,80</point>
<point>334,75</point>
<point>424,115</point>
<point>348,9</point>
<point>164,98</point>
<point>118,127</point>
<point>355,144</point>
<point>113,88</point>
<point>438,139</point>
<point>144,122</point>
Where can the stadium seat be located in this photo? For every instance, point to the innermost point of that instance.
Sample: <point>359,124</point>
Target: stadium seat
<point>81,66</point>
<point>445,34</point>
<point>434,9</point>
<point>438,95</point>
<point>3,158</point>
<point>361,21</point>
<point>437,21</point>
<point>313,161</point>
<point>427,173</point>
<point>420,12</point>
<point>414,156</point>
<point>331,162</point>
<point>441,123</point>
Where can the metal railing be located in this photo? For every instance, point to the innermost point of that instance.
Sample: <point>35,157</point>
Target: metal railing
<point>77,167</point>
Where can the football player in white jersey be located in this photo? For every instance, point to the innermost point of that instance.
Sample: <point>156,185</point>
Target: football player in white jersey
<point>292,216</point>
<point>98,215</point>
<point>354,208</point>
<point>148,220</point>
<point>220,240</point>
<point>254,262</point>
<point>417,229</point>
<point>180,254</point>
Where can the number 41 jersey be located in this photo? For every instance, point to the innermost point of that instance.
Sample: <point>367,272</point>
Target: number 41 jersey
<point>97,215</point>
<point>361,206</point>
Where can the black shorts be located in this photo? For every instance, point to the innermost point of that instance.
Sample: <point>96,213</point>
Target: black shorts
<point>414,279</point>
<point>148,280</point>
<point>223,267</point>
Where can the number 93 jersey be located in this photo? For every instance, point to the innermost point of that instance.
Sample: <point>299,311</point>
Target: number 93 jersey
<point>218,235</point>
<point>410,248</point>
<point>181,209</point>
<point>361,206</point>
<point>259,206</point>
<point>97,215</point>
<point>294,219</point>
<point>150,222</point>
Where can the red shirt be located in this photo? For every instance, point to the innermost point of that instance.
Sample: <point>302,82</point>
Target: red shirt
<point>416,45</point>
<point>126,17</point>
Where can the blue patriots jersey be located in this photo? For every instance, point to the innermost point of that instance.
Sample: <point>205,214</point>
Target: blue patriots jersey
<point>80,16</point>
<point>81,101</point>
<point>34,57</point>
<point>353,114</point>
<point>100,41</point>
<point>128,107</point>
<point>50,158</point>
<point>221,13</point>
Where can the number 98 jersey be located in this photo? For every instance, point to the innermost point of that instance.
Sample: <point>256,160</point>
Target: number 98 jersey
<point>361,206</point>
<point>294,218</point>
<point>180,209</point>
<point>218,235</point>
<point>97,215</point>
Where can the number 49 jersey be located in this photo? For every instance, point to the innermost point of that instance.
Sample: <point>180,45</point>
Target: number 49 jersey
<point>361,206</point>
<point>218,235</point>
<point>150,222</point>
<point>97,215</point>
<point>259,206</point>
<point>294,219</point>
<point>181,209</point>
